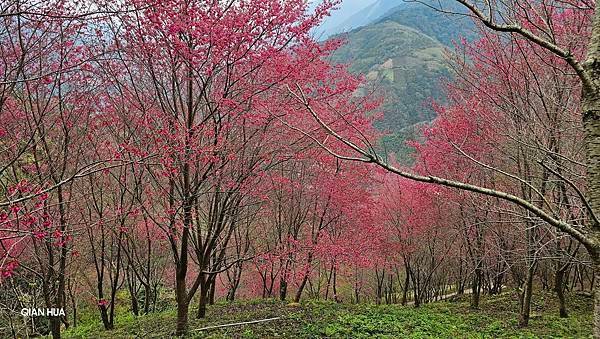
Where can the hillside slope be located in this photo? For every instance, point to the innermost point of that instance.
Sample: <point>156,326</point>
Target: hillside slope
<point>443,27</point>
<point>402,56</point>
<point>403,63</point>
<point>497,318</point>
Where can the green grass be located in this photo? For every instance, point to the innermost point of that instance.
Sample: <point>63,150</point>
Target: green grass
<point>497,318</point>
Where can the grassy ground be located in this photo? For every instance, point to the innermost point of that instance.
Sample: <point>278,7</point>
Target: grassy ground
<point>313,319</point>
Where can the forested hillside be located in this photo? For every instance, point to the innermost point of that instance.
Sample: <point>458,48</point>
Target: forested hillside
<point>402,54</point>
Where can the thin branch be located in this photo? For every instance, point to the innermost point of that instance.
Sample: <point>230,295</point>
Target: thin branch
<point>580,194</point>
<point>560,224</point>
<point>85,171</point>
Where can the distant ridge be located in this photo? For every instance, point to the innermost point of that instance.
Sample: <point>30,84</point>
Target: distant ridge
<point>367,15</point>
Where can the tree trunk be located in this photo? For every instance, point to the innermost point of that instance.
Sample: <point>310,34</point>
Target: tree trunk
<point>182,318</point>
<point>104,316</point>
<point>590,104</point>
<point>476,288</point>
<point>212,292</point>
<point>406,287</point>
<point>526,298</point>
<point>73,302</point>
<point>135,308</point>
<point>328,286</point>
<point>301,288</point>
<point>559,288</point>
<point>416,295</point>
<point>154,296</point>
<point>182,306</point>
<point>231,294</point>
<point>60,293</point>
<point>234,285</point>
<point>132,287</point>
<point>55,327</point>
<point>335,292</point>
<point>597,297</point>
<point>147,298</point>
<point>282,289</point>
<point>204,298</point>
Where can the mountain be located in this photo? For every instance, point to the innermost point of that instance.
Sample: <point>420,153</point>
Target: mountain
<point>358,13</point>
<point>404,66</point>
<point>441,26</point>
<point>402,62</point>
<point>346,10</point>
<point>366,15</point>
<point>402,56</point>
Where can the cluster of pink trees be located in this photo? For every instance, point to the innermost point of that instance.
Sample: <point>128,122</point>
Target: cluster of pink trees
<point>516,156</point>
<point>209,149</point>
<point>512,126</point>
<point>152,145</point>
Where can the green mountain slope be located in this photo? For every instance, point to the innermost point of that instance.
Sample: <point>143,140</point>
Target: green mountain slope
<point>404,66</point>
<point>441,26</point>
<point>402,56</point>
